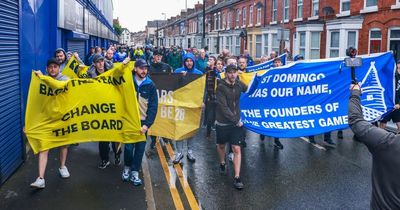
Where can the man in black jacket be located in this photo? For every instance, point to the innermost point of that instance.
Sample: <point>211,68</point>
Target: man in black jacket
<point>228,124</point>
<point>158,66</point>
<point>385,149</point>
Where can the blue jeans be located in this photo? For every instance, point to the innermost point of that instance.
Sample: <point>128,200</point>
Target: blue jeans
<point>134,160</point>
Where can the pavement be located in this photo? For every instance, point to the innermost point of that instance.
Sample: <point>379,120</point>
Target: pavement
<point>301,176</point>
<point>87,188</point>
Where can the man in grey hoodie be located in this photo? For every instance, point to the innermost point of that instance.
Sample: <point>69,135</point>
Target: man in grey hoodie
<point>385,149</point>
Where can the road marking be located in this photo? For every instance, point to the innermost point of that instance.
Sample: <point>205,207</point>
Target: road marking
<point>172,187</point>
<point>183,180</point>
<point>315,145</point>
<point>151,204</point>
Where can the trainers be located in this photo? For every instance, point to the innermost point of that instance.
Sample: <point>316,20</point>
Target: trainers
<point>103,164</point>
<point>117,160</point>
<point>237,183</point>
<point>64,173</point>
<point>125,174</point>
<point>135,178</point>
<point>222,169</point>
<point>39,183</point>
<point>190,156</point>
<point>230,156</point>
<point>330,143</point>
<point>278,144</point>
<point>340,134</point>
<point>178,158</point>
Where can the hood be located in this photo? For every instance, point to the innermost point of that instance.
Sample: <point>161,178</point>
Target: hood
<point>146,81</point>
<point>188,56</point>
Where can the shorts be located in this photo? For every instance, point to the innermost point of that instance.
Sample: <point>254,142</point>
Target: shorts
<point>230,134</point>
<point>394,116</point>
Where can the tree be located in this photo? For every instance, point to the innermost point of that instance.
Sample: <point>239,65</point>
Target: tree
<point>117,28</point>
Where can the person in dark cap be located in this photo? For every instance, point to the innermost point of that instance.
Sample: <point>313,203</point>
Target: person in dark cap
<point>53,70</point>
<point>97,68</point>
<point>158,66</point>
<point>148,104</point>
<point>229,126</point>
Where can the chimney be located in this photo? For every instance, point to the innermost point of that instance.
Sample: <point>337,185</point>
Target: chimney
<point>190,11</point>
<point>183,13</point>
<point>198,6</point>
<point>210,3</point>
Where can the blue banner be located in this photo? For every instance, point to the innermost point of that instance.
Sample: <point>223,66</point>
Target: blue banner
<point>266,65</point>
<point>311,97</point>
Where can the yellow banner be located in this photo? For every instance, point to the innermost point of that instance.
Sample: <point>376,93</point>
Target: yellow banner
<point>246,77</point>
<point>82,110</point>
<point>179,107</point>
<point>74,69</point>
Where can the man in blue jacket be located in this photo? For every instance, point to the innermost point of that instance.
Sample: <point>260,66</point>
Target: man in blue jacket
<point>148,102</point>
<point>188,68</point>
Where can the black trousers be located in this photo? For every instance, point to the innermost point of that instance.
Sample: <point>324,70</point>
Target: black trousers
<point>104,149</point>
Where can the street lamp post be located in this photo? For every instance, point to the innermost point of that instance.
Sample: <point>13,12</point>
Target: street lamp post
<point>204,25</point>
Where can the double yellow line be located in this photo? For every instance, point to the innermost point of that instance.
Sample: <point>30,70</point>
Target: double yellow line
<point>171,182</point>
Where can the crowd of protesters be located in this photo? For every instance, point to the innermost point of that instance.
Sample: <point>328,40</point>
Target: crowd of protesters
<point>221,102</point>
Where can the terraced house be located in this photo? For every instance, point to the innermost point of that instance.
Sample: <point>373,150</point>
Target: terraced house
<point>313,28</point>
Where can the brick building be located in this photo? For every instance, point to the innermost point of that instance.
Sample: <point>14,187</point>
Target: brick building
<point>313,28</point>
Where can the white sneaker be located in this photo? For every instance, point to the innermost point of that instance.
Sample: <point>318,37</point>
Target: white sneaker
<point>39,183</point>
<point>64,173</point>
<point>125,174</point>
<point>135,178</point>
<point>230,156</point>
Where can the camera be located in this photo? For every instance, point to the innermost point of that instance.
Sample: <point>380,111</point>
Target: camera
<point>352,60</point>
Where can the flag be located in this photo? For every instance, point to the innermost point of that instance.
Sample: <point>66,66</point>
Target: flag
<point>180,99</point>
<point>82,110</point>
<point>311,97</point>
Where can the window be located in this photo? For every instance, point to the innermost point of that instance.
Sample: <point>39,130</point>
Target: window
<point>375,39</point>
<point>251,44</point>
<point>274,10</point>
<point>237,17</point>
<point>302,43</point>
<point>334,44</point>
<point>286,9</point>
<point>370,3</point>
<point>219,21</point>
<point>314,7</point>
<point>299,8</point>
<point>344,6</point>
<point>237,50</point>
<point>251,15</point>
<point>224,21</point>
<point>265,44</point>
<point>258,46</point>
<point>315,45</point>
<point>394,42</point>
<point>275,43</point>
<point>244,16</point>
<point>229,20</point>
<point>259,15</point>
<point>215,21</point>
<point>351,39</point>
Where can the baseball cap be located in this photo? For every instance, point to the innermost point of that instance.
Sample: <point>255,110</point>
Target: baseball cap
<point>231,67</point>
<point>157,52</point>
<point>141,63</point>
<point>298,57</point>
<point>52,61</point>
<point>97,57</point>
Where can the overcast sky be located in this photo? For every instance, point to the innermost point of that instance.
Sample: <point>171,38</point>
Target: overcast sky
<point>134,14</point>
